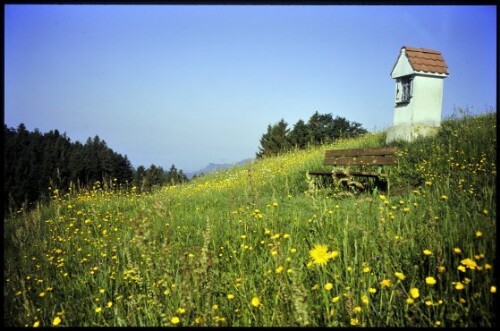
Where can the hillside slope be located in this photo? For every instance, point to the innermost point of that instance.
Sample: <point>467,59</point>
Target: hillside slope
<point>261,245</point>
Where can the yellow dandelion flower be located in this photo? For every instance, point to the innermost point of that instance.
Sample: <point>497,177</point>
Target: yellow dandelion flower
<point>41,295</point>
<point>441,268</point>
<point>479,234</point>
<point>410,301</point>
<point>279,269</point>
<point>175,320</point>
<point>457,250</point>
<point>469,263</point>
<point>255,302</point>
<point>102,290</point>
<point>36,324</point>
<point>487,266</point>
<point>400,275</point>
<point>334,254</point>
<point>365,300</point>
<point>430,280</point>
<point>385,283</point>
<point>56,321</point>
<point>428,303</point>
<point>372,290</point>
<point>354,321</point>
<point>366,269</point>
<point>319,254</point>
<point>110,304</point>
<point>459,286</point>
<point>414,292</point>
<point>215,307</point>
<point>328,286</point>
<point>427,252</point>
<point>461,268</point>
<point>357,309</point>
<point>493,289</point>
<point>230,296</point>
<point>181,311</point>
<point>98,310</point>
<point>336,299</point>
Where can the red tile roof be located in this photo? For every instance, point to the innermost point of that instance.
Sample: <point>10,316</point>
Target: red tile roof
<point>426,60</point>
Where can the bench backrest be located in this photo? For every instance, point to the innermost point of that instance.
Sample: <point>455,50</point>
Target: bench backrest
<point>362,156</point>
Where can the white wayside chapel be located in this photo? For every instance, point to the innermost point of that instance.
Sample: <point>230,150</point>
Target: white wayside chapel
<point>419,75</point>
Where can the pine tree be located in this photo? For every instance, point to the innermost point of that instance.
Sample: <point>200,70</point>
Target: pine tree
<point>275,140</point>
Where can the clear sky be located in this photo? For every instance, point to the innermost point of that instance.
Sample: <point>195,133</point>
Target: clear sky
<point>189,85</point>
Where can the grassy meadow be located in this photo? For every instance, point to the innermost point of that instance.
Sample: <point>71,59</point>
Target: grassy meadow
<point>264,245</point>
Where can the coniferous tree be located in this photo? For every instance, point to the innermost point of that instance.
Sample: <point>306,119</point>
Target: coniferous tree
<point>298,136</point>
<point>275,140</point>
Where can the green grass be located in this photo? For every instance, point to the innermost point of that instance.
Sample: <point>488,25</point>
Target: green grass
<point>197,254</point>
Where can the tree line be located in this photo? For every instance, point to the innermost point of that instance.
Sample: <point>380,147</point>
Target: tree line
<point>319,129</point>
<point>35,161</point>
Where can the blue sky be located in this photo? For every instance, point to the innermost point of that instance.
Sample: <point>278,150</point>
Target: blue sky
<point>189,85</point>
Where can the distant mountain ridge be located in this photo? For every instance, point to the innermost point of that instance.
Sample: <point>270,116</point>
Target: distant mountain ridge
<point>215,167</point>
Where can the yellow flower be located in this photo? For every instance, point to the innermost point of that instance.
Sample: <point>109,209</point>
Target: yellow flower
<point>469,263</point>
<point>457,250</point>
<point>410,301</point>
<point>101,290</point>
<point>215,307</point>
<point>175,320</point>
<point>319,254</point>
<point>479,234</point>
<point>428,303</point>
<point>230,296</point>
<point>427,252</point>
<point>56,321</point>
<point>461,268</point>
<point>328,286</point>
<point>334,254</point>
<point>414,293</point>
<point>385,283</point>
<point>400,275</point>
<point>365,300</point>
<point>41,295</point>
<point>430,280</point>
<point>279,269</point>
<point>493,289</point>
<point>180,311</point>
<point>459,286</point>
<point>36,324</point>
<point>98,309</point>
<point>366,269</point>
<point>354,321</point>
<point>357,309</point>
<point>256,302</point>
<point>110,304</point>
<point>336,299</point>
<point>372,290</point>
<point>441,268</point>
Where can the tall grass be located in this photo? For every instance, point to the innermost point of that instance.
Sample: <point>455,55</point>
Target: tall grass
<point>233,248</point>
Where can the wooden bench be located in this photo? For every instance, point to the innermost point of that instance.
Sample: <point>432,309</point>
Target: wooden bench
<point>383,156</point>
